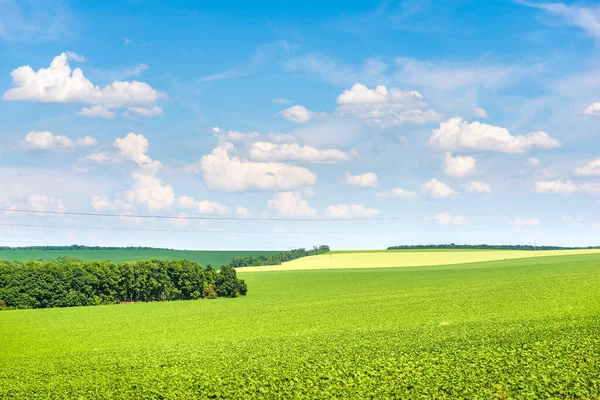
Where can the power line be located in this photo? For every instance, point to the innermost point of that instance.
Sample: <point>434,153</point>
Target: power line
<point>185,217</point>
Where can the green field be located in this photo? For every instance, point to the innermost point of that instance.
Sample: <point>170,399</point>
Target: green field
<point>523,328</point>
<point>407,258</point>
<point>204,257</point>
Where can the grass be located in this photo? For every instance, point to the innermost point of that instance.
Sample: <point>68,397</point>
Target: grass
<point>407,258</point>
<point>523,328</point>
<point>216,258</point>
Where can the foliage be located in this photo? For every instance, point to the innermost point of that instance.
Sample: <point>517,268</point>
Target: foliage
<point>518,329</point>
<point>121,254</point>
<point>486,247</point>
<point>277,258</point>
<point>69,282</point>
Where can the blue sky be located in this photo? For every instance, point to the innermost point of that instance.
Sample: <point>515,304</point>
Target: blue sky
<point>466,121</point>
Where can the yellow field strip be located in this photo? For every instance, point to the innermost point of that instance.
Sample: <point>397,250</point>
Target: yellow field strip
<point>407,259</point>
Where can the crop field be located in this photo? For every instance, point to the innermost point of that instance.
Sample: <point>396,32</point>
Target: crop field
<point>521,328</point>
<point>407,258</point>
<point>216,258</point>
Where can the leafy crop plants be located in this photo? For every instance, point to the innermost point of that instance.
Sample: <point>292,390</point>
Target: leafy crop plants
<point>513,329</point>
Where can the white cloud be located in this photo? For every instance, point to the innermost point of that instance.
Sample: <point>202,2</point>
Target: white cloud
<point>135,71</point>
<point>242,212</point>
<point>478,187</point>
<point>299,114</point>
<point>398,192</point>
<point>351,210</point>
<point>96,111</point>
<point>592,109</point>
<point>558,186</point>
<point>222,171</point>
<point>587,19</point>
<point>481,113</point>
<point>45,140</point>
<point>216,130</point>
<point>368,179</point>
<point>385,108</point>
<point>533,162</point>
<point>235,136</point>
<point>437,189</point>
<point>59,84</point>
<point>71,56</point>
<point>150,190</point>
<point>456,134</point>
<point>447,219</point>
<point>519,223</point>
<point>201,207</point>
<point>37,202</point>
<point>281,101</point>
<point>134,147</point>
<point>459,166</point>
<point>266,151</point>
<point>291,204</point>
<point>103,203</point>
<point>591,169</point>
<point>142,111</point>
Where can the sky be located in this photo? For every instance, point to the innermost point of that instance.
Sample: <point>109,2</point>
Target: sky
<point>282,125</point>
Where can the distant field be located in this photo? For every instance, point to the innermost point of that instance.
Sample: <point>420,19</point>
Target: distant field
<point>524,328</point>
<point>216,258</point>
<point>407,258</point>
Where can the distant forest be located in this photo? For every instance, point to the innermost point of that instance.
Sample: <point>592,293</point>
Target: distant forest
<point>79,247</point>
<point>277,258</point>
<point>487,246</point>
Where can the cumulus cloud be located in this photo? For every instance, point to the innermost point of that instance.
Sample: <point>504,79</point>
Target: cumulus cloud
<point>385,108</point>
<point>299,114</point>
<point>592,109</point>
<point>134,147</point>
<point>519,223</point>
<point>45,140</point>
<point>225,172</point>
<point>533,162</point>
<point>456,134</point>
<point>142,111</point>
<point>593,189</point>
<point>368,179</point>
<point>60,84</point>
<point>459,166</point>
<point>266,151</point>
<point>437,189</point>
<point>291,204</point>
<point>478,187</point>
<point>558,186</point>
<point>351,210</point>
<point>150,190</point>
<point>37,202</point>
<point>447,219</point>
<point>104,203</point>
<point>96,111</point>
<point>201,207</point>
<point>481,113</point>
<point>590,169</point>
<point>398,192</point>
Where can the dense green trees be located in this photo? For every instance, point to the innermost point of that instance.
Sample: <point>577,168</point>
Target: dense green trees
<point>69,282</point>
<point>276,258</point>
<point>486,246</point>
<point>79,247</point>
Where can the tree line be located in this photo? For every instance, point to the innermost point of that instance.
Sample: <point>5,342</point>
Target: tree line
<point>79,247</point>
<point>69,282</point>
<point>487,246</point>
<point>276,258</point>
